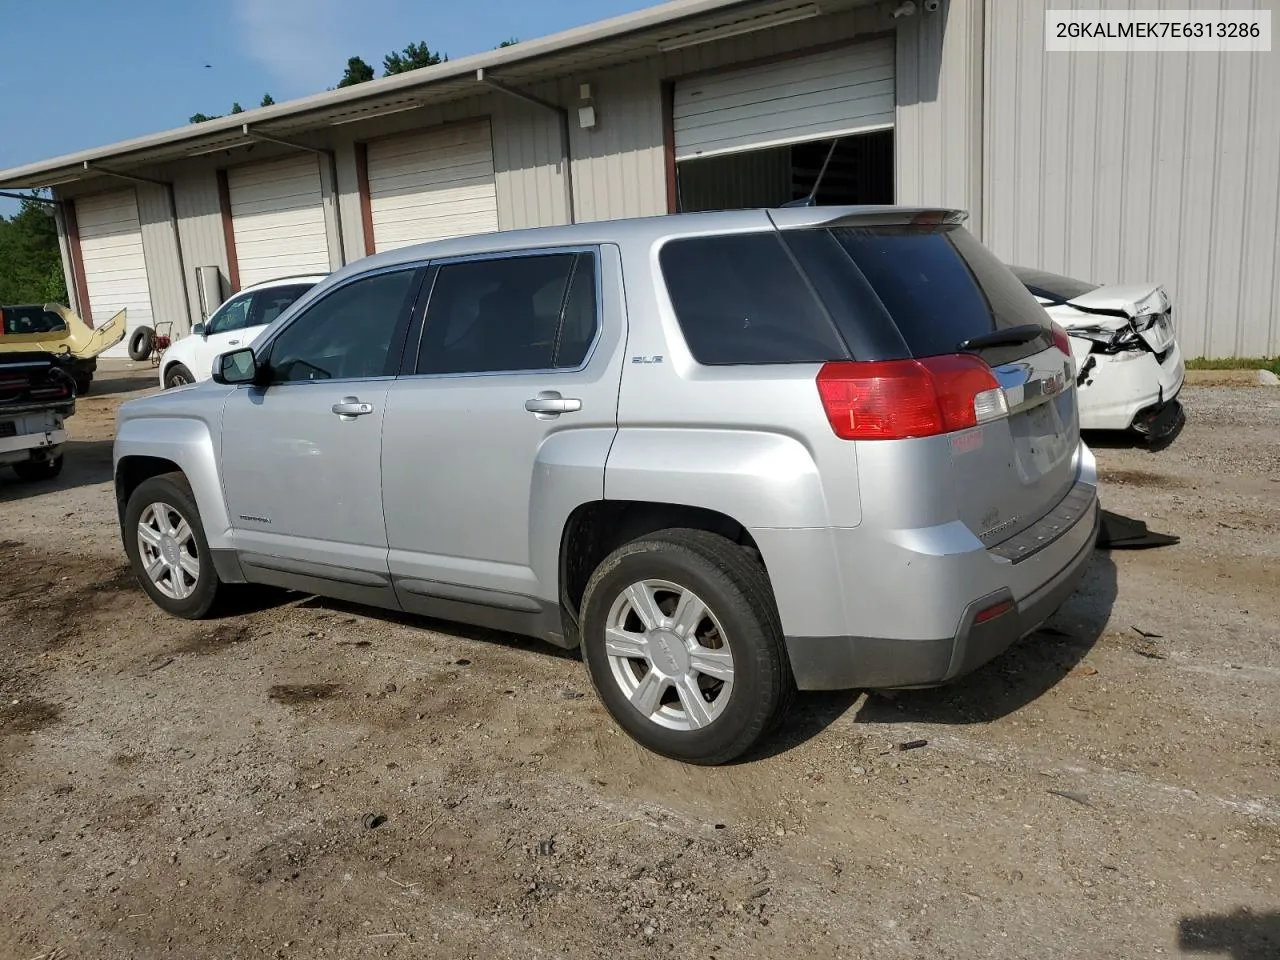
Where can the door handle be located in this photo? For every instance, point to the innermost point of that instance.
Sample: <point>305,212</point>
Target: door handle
<point>348,408</point>
<point>233,343</point>
<point>549,403</point>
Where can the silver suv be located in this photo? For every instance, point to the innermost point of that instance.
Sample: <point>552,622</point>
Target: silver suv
<point>727,455</point>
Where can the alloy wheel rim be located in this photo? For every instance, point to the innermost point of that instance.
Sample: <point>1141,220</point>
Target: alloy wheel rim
<point>170,555</point>
<point>669,655</point>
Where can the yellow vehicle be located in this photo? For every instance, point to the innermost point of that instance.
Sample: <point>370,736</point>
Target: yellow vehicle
<point>58,331</point>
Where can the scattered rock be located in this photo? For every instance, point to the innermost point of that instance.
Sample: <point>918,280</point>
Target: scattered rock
<point>1268,379</point>
<point>911,745</point>
<point>1084,670</point>
<point>546,848</point>
<point>372,821</point>
<point>462,662</point>
<point>1073,796</point>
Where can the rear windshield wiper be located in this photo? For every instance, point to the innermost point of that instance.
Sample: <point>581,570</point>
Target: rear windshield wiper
<point>1008,337</point>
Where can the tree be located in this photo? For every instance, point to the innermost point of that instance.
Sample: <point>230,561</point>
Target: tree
<point>414,57</point>
<point>202,117</point>
<point>508,43</point>
<point>30,262</point>
<point>236,108</point>
<point>267,100</point>
<point>357,72</point>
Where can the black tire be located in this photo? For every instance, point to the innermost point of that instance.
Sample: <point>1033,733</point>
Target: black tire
<point>176,376</point>
<point>735,588</point>
<point>83,382</point>
<point>174,492</point>
<point>34,471</point>
<point>141,343</point>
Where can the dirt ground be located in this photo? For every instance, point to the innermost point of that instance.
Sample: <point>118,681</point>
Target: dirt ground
<point>308,779</point>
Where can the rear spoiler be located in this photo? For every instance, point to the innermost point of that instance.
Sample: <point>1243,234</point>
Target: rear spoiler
<point>870,216</point>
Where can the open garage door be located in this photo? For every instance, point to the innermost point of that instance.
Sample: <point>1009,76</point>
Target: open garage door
<point>759,137</point>
<point>432,185</point>
<point>277,217</point>
<point>115,267</point>
<point>832,94</point>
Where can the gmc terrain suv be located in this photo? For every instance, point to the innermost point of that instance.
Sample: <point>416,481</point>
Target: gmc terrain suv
<point>727,455</point>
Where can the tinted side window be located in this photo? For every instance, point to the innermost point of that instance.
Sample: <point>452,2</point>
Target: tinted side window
<point>350,333</point>
<point>740,299</point>
<point>510,313</point>
<point>232,315</point>
<point>270,303</point>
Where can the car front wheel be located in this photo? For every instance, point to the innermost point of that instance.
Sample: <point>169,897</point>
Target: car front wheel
<point>167,547</point>
<point>177,376</point>
<point>683,642</point>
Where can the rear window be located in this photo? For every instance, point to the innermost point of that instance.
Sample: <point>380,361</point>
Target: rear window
<point>881,292</point>
<point>1052,286</point>
<point>740,299</point>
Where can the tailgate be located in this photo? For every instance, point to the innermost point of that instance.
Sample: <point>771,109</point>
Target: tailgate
<point>1010,472</point>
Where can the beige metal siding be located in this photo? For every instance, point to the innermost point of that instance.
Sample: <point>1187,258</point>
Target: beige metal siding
<point>938,137</point>
<point>277,215</point>
<point>115,264</point>
<point>833,93</point>
<point>200,227</point>
<point>1141,167</point>
<point>164,265</point>
<point>432,185</point>
<point>528,160</point>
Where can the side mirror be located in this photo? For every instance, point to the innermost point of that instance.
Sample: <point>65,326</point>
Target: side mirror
<point>198,330</point>
<point>237,367</point>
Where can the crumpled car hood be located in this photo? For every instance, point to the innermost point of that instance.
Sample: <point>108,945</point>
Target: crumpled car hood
<point>1130,300</point>
<point>1115,306</point>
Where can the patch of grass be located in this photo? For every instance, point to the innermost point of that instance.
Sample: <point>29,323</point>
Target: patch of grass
<point>1236,363</point>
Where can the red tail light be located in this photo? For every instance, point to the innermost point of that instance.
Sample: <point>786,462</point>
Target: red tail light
<point>1061,340</point>
<point>897,399</point>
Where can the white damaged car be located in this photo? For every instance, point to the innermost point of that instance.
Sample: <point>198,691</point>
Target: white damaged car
<point>1129,368</point>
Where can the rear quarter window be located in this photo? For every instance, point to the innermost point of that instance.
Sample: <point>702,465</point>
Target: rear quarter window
<point>740,299</point>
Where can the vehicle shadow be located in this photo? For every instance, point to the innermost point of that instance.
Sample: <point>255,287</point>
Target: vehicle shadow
<point>256,599</point>
<point>111,386</point>
<point>85,462</point>
<point>1130,439</point>
<point>1239,935</point>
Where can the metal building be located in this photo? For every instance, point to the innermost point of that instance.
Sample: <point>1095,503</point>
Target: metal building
<point>1108,167</point>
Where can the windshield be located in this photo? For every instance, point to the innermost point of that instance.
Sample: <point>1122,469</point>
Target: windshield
<point>1052,286</point>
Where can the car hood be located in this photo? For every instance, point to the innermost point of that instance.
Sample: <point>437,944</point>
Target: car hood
<point>1123,299</point>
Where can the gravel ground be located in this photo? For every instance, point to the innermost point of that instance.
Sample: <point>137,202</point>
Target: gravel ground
<point>1107,788</point>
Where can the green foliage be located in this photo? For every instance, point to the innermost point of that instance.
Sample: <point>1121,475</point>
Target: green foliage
<point>202,117</point>
<point>236,108</point>
<point>414,57</point>
<point>1235,363</point>
<point>267,100</point>
<point>508,43</point>
<point>357,72</point>
<point>30,262</point>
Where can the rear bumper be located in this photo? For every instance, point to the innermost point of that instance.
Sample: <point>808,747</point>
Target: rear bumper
<point>1126,389</point>
<point>848,662</point>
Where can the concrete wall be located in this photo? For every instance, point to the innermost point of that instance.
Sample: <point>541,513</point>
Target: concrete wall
<point>1141,167</point>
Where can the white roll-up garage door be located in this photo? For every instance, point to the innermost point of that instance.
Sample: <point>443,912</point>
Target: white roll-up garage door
<point>115,267</point>
<point>432,185</point>
<point>850,90</point>
<point>277,217</point>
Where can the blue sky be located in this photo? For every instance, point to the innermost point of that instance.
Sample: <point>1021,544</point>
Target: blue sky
<point>83,73</point>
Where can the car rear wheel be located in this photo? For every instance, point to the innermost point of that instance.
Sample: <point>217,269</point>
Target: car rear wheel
<point>177,376</point>
<point>167,547</point>
<point>683,643</point>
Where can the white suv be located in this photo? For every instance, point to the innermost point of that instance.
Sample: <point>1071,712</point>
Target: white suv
<point>234,324</point>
